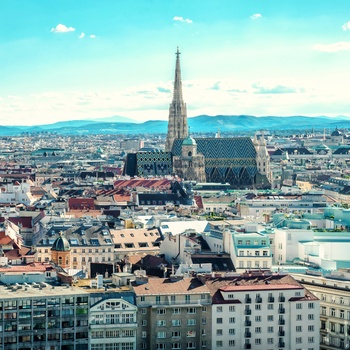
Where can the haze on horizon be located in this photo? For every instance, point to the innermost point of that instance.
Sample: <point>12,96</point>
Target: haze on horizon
<point>65,60</point>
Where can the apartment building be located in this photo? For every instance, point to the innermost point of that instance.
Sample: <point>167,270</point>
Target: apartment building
<point>248,248</point>
<point>39,316</point>
<point>334,293</point>
<point>113,321</point>
<point>88,242</point>
<point>173,313</point>
<point>262,310</point>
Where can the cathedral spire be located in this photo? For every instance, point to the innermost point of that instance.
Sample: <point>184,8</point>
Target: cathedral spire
<point>177,94</point>
<point>177,123</point>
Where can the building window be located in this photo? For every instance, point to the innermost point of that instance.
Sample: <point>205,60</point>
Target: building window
<point>219,332</point>
<point>176,323</point>
<point>231,343</point>
<point>299,306</point>
<point>298,329</point>
<point>231,320</point>
<point>191,322</point>
<point>231,308</point>
<point>175,334</point>
<point>231,331</point>
<point>191,310</point>
<point>144,334</point>
<point>144,322</point>
<point>219,320</point>
<point>161,323</point>
<point>161,311</point>
<point>219,343</point>
<point>310,317</point>
<point>270,329</point>
<point>176,311</point>
<point>161,335</point>
<point>310,305</point>
<point>219,308</point>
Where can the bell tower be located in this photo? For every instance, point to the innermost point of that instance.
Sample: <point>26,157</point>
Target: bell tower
<point>177,123</point>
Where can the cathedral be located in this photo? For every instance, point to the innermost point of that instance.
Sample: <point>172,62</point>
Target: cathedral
<point>239,161</point>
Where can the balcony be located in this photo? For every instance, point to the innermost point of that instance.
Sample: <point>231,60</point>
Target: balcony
<point>247,311</point>
<point>271,299</point>
<point>258,300</point>
<point>247,346</point>
<point>281,310</point>
<point>281,299</point>
<point>247,335</point>
<point>248,323</point>
<point>281,345</point>
<point>248,300</point>
<point>281,322</point>
<point>281,333</point>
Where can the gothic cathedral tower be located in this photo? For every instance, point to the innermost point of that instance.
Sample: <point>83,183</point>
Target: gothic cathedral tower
<point>177,124</point>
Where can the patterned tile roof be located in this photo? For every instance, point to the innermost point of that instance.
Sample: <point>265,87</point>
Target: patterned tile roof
<point>228,148</point>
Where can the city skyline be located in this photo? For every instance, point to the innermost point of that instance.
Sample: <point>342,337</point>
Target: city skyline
<point>80,60</point>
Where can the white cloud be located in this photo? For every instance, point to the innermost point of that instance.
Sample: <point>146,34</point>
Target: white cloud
<point>346,26</point>
<point>92,36</point>
<point>82,35</point>
<point>181,19</point>
<point>256,16</point>
<point>61,28</point>
<point>334,47</point>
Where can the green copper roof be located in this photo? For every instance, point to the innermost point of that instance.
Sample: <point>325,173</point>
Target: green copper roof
<point>61,244</point>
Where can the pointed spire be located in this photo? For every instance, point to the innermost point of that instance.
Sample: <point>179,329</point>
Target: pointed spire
<point>177,124</point>
<point>177,94</point>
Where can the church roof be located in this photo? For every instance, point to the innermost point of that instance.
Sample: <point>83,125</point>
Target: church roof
<point>336,132</point>
<point>228,148</point>
<point>61,244</point>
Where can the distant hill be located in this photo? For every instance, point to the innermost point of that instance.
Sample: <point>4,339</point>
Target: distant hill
<point>202,123</point>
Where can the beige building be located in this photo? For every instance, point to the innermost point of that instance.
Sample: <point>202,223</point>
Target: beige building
<point>135,241</point>
<point>334,294</point>
<point>89,243</point>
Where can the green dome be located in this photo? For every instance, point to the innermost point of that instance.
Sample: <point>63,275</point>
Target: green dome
<point>61,244</point>
<point>190,141</point>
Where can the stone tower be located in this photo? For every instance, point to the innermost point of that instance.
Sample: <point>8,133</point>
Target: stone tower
<point>190,164</point>
<point>262,156</point>
<point>177,124</point>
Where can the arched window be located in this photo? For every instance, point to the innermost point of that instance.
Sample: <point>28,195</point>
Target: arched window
<point>60,260</point>
<point>189,154</point>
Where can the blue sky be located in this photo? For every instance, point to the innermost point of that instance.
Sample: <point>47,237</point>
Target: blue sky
<point>64,59</point>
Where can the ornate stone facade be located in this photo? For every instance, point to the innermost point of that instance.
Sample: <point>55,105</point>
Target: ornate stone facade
<point>190,164</point>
